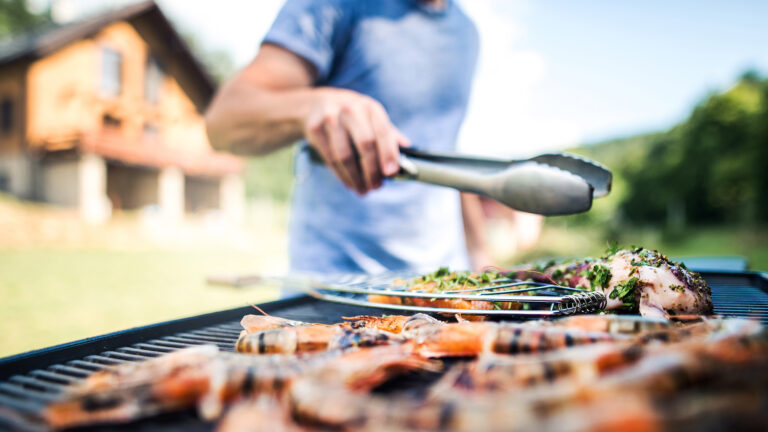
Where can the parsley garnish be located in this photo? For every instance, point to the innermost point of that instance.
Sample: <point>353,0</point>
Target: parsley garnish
<point>678,288</point>
<point>612,249</point>
<point>625,291</point>
<point>599,276</point>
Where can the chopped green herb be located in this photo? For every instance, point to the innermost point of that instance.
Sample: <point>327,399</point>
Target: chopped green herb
<point>625,291</point>
<point>678,288</point>
<point>599,276</point>
<point>442,271</point>
<point>612,249</point>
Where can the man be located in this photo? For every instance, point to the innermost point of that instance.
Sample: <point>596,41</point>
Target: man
<point>356,80</point>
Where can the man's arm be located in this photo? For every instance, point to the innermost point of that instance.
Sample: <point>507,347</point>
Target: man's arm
<point>474,232</point>
<point>271,103</point>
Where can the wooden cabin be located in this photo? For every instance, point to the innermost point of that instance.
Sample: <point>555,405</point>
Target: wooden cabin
<point>106,114</point>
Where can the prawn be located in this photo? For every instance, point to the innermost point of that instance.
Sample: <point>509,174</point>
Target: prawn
<point>199,376</point>
<point>298,340</point>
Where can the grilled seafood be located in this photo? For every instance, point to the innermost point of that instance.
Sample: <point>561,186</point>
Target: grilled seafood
<point>272,335</point>
<point>312,338</point>
<point>444,280</point>
<point>263,413</point>
<point>391,323</point>
<point>579,373</point>
<point>468,339</point>
<point>312,398</point>
<point>635,280</point>
<point>256,323</point>
<point>199,376</point>
<point>634,393</point>
<point>204,377</point>
<point>588,363</point>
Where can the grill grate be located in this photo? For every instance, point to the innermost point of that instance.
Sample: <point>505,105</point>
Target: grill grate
<point>33,379</point>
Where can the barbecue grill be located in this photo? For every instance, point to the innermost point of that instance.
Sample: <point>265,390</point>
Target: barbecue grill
<point>28,381</point>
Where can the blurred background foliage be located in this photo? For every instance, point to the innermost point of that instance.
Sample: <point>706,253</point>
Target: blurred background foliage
<point>16,18</point>
<point>709,169</point>
<point>699,188</point>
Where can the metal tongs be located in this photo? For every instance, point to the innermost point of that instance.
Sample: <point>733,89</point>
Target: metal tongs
<point>549,184</point>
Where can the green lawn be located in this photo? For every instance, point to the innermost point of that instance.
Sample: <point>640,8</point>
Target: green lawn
<point>50,296</point>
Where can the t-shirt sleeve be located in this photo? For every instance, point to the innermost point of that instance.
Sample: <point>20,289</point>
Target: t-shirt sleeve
<point>314,30</point>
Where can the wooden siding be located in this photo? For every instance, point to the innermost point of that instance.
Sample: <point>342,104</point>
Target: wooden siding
<point>65,102</point>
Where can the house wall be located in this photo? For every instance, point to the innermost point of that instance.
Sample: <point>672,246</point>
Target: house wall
<point>60,102</point>
<point>65,99</point>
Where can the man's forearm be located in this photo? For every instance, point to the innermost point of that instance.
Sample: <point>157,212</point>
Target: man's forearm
<point>245,118</point>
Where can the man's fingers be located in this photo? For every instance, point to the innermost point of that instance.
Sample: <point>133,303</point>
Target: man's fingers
<point>344,159</point>
<point>386,138</point>
<point>318,138</point>
<point>359,128</point>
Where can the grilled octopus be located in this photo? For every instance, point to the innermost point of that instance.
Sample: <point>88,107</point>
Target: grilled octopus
<point>635,280</point>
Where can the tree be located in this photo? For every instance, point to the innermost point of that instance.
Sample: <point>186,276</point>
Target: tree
<point>15,18</point>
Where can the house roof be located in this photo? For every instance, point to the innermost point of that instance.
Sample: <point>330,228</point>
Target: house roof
<point>145,16</point>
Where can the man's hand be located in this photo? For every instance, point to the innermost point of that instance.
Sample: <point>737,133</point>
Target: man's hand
<point>354,136</point>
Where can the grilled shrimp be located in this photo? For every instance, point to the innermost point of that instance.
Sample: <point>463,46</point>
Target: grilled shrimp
<point>391,323</point>
<point>623,324</point>
<point>468,339</point>
<point>324,395</point>
<point>255,323</point>
<point>263,413</point>
<point>662,387</point>
<point>298,340</point>
<point>493,372</point>
<point>198,376</point>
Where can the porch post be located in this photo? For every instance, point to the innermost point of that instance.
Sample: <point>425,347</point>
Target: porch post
<point>232,197</point>
<point>171,193</point>
<point>94,205</point>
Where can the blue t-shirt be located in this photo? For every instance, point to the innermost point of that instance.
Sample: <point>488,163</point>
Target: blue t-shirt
<point>418,62</point>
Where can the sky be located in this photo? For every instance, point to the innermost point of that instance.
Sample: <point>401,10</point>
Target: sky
<point>556,73</point>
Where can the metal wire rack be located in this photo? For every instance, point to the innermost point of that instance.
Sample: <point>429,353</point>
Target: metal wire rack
<point>528,298</point>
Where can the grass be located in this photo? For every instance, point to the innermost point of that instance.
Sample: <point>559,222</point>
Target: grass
<point>50,296</point>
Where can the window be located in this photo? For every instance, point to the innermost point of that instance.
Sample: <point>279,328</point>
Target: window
<point>6,115</point>
<point>111,72</point>
<point>111,122</point>
<point>151,132</point>
<point>153,80</point>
